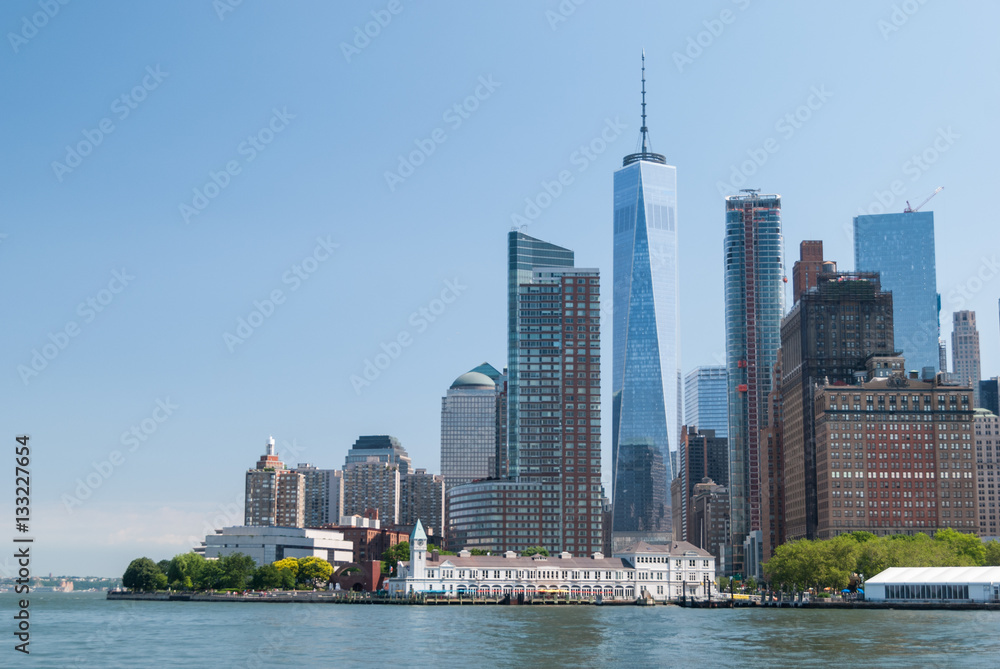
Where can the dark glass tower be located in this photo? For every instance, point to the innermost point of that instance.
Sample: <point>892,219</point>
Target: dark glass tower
<point>524,255</point>
<point>646,411</point>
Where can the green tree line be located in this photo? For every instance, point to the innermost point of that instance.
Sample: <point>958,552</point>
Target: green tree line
<point>191,571</point>
<point>829,563</point>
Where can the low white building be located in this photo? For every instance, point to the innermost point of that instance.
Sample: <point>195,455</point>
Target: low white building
<point>935,584</point>
<point>270,544</point>
<point>663,573</point>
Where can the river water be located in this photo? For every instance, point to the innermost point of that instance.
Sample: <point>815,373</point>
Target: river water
<point>86,630</point>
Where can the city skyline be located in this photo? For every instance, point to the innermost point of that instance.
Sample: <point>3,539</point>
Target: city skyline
<point>312,299</point>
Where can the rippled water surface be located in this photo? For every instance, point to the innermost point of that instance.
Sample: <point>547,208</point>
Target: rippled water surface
<point>85,630</point>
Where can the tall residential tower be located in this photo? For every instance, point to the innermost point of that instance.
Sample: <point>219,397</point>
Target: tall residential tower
<point>754,287</point>
<point>646,380</point>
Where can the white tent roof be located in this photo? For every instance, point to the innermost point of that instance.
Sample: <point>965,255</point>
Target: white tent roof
<point>920,575</point>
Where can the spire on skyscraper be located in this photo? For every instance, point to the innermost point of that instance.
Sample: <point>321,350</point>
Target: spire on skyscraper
<point>644,153</point>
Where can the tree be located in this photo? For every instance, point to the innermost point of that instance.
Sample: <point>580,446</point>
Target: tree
<point>314,571</point>
<point>267,577</point>
<point>968,546</point>
<point>184,569</point>
<point>291,564</point>
<point>237,569</point>
<point>478,551</point>
<point>441,551</point>
<point>534,550</point>
<point>143,575</point>
<point>396,554</point>
<point>163,565</point>
<point>211,575</point>
<point>992,549</point>
<point>287,579</point>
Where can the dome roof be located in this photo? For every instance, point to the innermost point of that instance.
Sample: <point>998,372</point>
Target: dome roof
<point>473,380</point>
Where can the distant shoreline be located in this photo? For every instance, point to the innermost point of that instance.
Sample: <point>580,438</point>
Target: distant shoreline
<point>331,597</point>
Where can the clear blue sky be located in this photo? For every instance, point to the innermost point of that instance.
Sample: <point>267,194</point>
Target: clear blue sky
<point>329,127</point>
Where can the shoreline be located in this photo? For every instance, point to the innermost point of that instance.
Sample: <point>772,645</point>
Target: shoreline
<point>328,597</point>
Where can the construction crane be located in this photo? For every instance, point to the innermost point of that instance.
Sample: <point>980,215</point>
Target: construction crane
<point>910,210</point>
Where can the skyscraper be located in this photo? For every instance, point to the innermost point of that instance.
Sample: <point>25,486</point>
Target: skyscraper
<point>524,254</point>
<point>469,434</point>
<point>703,454</point>
<point>825,339</point>
<point>422,498</point>
<point>705,400</point>
<point>900,247</point>
<point>323,500</point>
<point>274,496</point>
<point>555,502</point>
<point>381,447</point>
<point>754,288</point>
<point>965,351</point>
<point>373,485</point>
<point>646,379</point>
<point>807,268</point>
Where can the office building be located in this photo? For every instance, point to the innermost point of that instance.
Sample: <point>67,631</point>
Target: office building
<point>471,415</point>
<point>710,513</point>
<point>772,469</point>
<point>372,485</point>
<point>702,455</point>
<point>942,354</point>
<point>266,545</point>
<point>524,255</point>
<point>987,429</point>
<point>965,350</point>
<point>646,378</point>
<point>900,247</point>
<point>382,447</point>
<point>806,270</point>
<point>422,497</point>
<point>826,338</point>
<point>705,399</point>
<point>754,293</point>
<point>894,454</point>
<point>323,496</point>
<point>989,395</point>
<point>274,496</point>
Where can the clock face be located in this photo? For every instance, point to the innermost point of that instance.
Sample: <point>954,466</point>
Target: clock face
<point>420,543</point>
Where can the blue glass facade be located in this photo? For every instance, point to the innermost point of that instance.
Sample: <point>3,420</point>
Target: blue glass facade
<point>646,381</point>
<point>900,247</point>
<point>705,404</point>
<point>754,285</point>
<point>524,255</point>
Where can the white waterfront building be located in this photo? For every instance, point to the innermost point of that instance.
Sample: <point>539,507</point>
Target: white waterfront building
<point>935,584</point>
<point>666,572</point>
<point>270,544</point>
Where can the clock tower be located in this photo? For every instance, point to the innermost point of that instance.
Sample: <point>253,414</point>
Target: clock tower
<point>418,552</point>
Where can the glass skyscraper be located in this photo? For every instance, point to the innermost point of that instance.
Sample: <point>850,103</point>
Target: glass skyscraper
<point>754,285</point>
<point>524,255</point>
<point>646,410</point>
<point>900,247</point>
<point>705,400</point>
<point>469,429</point>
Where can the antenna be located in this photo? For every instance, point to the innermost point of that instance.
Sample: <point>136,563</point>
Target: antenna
<point>643,129</point>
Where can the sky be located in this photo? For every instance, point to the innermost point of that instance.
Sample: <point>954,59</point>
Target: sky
<point>218,215</point>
